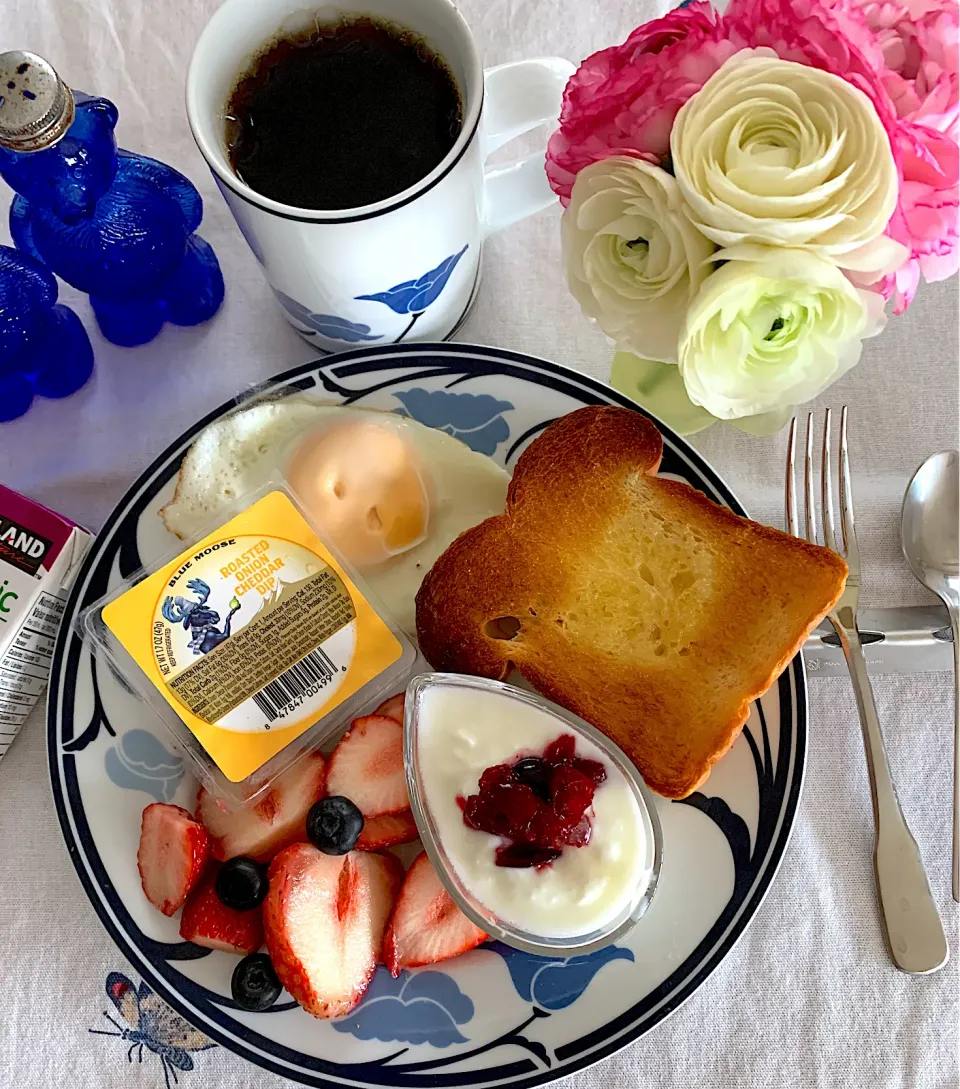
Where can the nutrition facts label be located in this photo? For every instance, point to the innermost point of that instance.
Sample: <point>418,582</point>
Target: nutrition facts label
<point>316,609</point>
<point>25,665</point>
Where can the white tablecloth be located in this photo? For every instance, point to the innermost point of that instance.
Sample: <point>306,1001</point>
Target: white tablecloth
<point>808,997</point>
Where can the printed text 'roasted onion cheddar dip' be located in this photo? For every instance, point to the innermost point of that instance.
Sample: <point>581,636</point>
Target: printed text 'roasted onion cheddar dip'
<point>253,634</point>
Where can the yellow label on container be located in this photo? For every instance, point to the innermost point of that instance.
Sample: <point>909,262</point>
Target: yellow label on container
<point>253,634</point>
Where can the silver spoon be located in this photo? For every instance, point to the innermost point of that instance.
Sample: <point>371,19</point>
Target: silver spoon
<point>930,534</point>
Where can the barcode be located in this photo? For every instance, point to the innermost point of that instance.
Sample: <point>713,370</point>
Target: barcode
<point>316,669</point>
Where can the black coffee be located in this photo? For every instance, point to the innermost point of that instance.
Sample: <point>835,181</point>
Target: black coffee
<point>342,116</point>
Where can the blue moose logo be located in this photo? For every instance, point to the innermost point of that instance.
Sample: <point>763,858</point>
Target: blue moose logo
<point>197,618</point>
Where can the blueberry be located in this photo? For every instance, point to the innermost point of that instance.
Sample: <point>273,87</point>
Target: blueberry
<point>242,884</point>
<point>254,983</point>
<point>334,825</point>
<point>534,773</point>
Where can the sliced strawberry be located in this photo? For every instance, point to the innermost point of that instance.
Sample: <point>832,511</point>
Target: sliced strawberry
<point>388,830</point>
<point>392,708</point>
<point>426,926</point>
<point>367,766</point>
<point>208,922</point>
<point>383,876</point>
<point>275,821</point>
<point>173,853</point>
<point>324,918</point>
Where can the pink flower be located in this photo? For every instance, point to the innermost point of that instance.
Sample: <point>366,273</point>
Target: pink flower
<point>926,219</point>
<point>622,100</point>
<point>823,35</point>
<point>919,40</point>
<point>904,57</point>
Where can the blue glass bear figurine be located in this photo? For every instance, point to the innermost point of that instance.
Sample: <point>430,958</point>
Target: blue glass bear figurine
<point>43,347</point>
<point>116,225</point>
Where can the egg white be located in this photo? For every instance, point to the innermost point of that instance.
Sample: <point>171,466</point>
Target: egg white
<point>240,453</point>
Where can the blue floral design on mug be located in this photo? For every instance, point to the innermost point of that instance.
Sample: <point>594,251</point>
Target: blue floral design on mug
<point>474,418</point>
<point>139,762</point>
<point>414,296</point>
<point>555,982</point>
<point>327,325</point>
<point>415,1008</point>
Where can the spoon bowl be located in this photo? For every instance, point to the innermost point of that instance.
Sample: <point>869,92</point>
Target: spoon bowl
<point>930,522</point>
<point>930,536</point>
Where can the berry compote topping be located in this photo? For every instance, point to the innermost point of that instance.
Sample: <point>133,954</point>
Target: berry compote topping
<point>538,803</point>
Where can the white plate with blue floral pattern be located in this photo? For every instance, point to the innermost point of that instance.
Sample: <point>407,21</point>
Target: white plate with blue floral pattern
<point>495,1016</point>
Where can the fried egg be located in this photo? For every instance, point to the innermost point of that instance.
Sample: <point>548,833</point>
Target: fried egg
<point>388,492</point>
<point>365,484</point>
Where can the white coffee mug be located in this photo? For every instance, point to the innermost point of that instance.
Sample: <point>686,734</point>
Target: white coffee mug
<point>407,267</point>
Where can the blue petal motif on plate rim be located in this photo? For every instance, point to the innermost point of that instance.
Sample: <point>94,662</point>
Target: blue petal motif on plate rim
<point>139,762</point>
<point>555,982</point>
<point>474,418</point>
<point>424,1007</point>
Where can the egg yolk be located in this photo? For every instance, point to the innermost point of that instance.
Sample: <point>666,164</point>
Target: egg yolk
<point>364,487</point>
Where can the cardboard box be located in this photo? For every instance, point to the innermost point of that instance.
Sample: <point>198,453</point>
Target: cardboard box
<point>40,554</point>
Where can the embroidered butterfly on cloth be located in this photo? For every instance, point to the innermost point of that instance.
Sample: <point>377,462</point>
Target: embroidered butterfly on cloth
<point>148,1022</point>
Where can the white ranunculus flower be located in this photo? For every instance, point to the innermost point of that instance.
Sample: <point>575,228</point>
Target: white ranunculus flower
<point>771,328</point>
<point>633,259</point>
<point>779,153</point>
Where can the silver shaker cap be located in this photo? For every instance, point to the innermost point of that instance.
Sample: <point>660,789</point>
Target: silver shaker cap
<point>36,106</point>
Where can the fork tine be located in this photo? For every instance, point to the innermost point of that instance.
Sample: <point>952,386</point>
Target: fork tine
<point>826,488</point>
<point>793,523</point>
<point>808,484</point>
<point>846,496</point>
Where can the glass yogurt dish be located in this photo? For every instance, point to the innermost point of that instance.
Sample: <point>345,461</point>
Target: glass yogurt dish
<point>566,899</point>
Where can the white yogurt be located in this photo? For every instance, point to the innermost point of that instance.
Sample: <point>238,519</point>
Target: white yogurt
<point>463,731</point>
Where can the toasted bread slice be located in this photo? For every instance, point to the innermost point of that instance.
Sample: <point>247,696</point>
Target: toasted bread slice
<point>632,600</point>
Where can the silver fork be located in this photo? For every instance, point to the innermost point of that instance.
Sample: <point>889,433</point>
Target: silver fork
<point>911,923</point>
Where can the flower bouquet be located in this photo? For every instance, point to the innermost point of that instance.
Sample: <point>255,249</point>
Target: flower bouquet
<point>744,192</point>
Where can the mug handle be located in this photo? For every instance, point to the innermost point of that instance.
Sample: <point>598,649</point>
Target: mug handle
<point>518,97</point>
